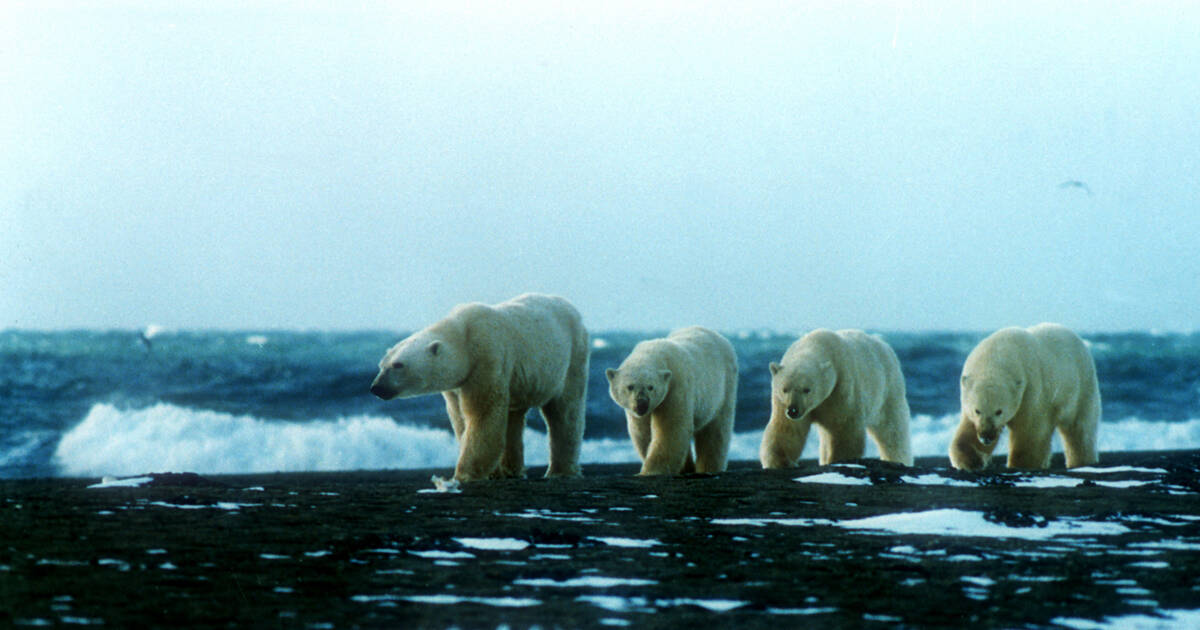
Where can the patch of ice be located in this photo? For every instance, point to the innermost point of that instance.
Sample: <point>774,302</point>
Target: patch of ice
<point>1118,469</point>
<point>715,605</point>
<point>613,603</point>
<point>502,602</point>
<point>934,479</point>
<point>493,544</point>
<point>550,515</point>
<point>128,482</point>
<point>1165,619</point>
<point>630,543</point>
<point>220,505</point>
<point>1129,483</point>
<point>762,522</point>
<point>1150,564</point>
<point>978,581</point>
<point>834,478</point>
<point>437,554</point>
<point>801,611</point>
<point>588,581</point>
<point>1049,481</point>
<point>952,522</point>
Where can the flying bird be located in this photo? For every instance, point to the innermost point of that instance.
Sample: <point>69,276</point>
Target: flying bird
<point>1075,183</point>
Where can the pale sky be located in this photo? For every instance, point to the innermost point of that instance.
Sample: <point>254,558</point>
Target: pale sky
<point>883,165</point>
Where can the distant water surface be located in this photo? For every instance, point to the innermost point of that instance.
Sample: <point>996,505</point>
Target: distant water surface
<point>111,402</point>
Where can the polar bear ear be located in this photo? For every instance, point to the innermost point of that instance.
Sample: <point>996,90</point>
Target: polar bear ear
<point>434,348</point>
<point>775,367</point>
<point>611,374</point>
<point>664,375</point>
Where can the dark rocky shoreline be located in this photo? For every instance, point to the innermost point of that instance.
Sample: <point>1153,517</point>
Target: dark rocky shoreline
<point>746,548</point>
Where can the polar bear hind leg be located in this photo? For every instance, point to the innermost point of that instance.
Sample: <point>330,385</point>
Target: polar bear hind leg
<point>891,433</point>
<point>712,443</point>
<point>1079,437</point>
<point>512,463</point>
<point>564,432</point>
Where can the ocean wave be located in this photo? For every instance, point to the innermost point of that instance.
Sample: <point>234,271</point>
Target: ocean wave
<point>165,437</point>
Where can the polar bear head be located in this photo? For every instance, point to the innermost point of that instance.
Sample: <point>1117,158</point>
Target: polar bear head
<point>640,389</point>
<point>989,401</point>
<point>802,385</point>
<point>425,363</point>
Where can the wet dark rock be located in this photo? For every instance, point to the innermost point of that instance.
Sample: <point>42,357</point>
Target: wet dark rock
<point>746,548</point>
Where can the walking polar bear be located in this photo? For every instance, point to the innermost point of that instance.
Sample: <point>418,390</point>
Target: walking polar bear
<point>492,364</point>
<point>849,384</point>
<point>676,390</point>
<point>1033,381</point>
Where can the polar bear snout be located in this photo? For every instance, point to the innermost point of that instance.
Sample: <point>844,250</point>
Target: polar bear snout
<point>381,390</point>
<point>641,405</point>
<point>989,436</point>
<point>793,412</point>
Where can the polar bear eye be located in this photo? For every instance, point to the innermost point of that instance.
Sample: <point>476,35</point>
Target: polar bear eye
<point>806,391</point>
<point>398,365</point>
<point>629,387</point>
<point>999,411</point>
<point>650,388</point>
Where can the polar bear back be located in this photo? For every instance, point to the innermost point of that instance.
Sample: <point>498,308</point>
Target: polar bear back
<point>702,363</point>
<point>530,342</point>
<point>868,371</point>
<point>1057,371</point>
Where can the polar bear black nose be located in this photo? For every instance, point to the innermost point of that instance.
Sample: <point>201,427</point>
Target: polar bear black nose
<point>642,406</point>
<point>793,412</point>
<point>379,390</point>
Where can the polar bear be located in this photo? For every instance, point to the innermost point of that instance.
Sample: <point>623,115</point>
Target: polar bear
<point>1033,381</point>
<point>675,390</point>
<point>492,364</point>
<point>849,384</point>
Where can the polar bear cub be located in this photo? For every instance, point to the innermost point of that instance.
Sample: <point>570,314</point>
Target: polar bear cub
<point>849,384</point>
<point>492,364</point>
<point>1032,381</point>
<point>676,390</point>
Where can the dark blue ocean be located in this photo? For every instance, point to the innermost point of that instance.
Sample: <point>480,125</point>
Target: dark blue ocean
<point>94,403</point>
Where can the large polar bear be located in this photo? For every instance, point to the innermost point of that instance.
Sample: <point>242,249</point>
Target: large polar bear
<point>849,384</point>
<point>492,364</point>
<point>675,390</point>
<point>1033,381</point>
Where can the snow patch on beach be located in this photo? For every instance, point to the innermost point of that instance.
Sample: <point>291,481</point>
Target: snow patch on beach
<point>1162,620</point>
<point>493,544</point>
<point>952,522</point>
<point>834,478</point>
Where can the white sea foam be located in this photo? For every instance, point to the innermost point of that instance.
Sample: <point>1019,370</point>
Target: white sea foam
<point>164,437</point>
